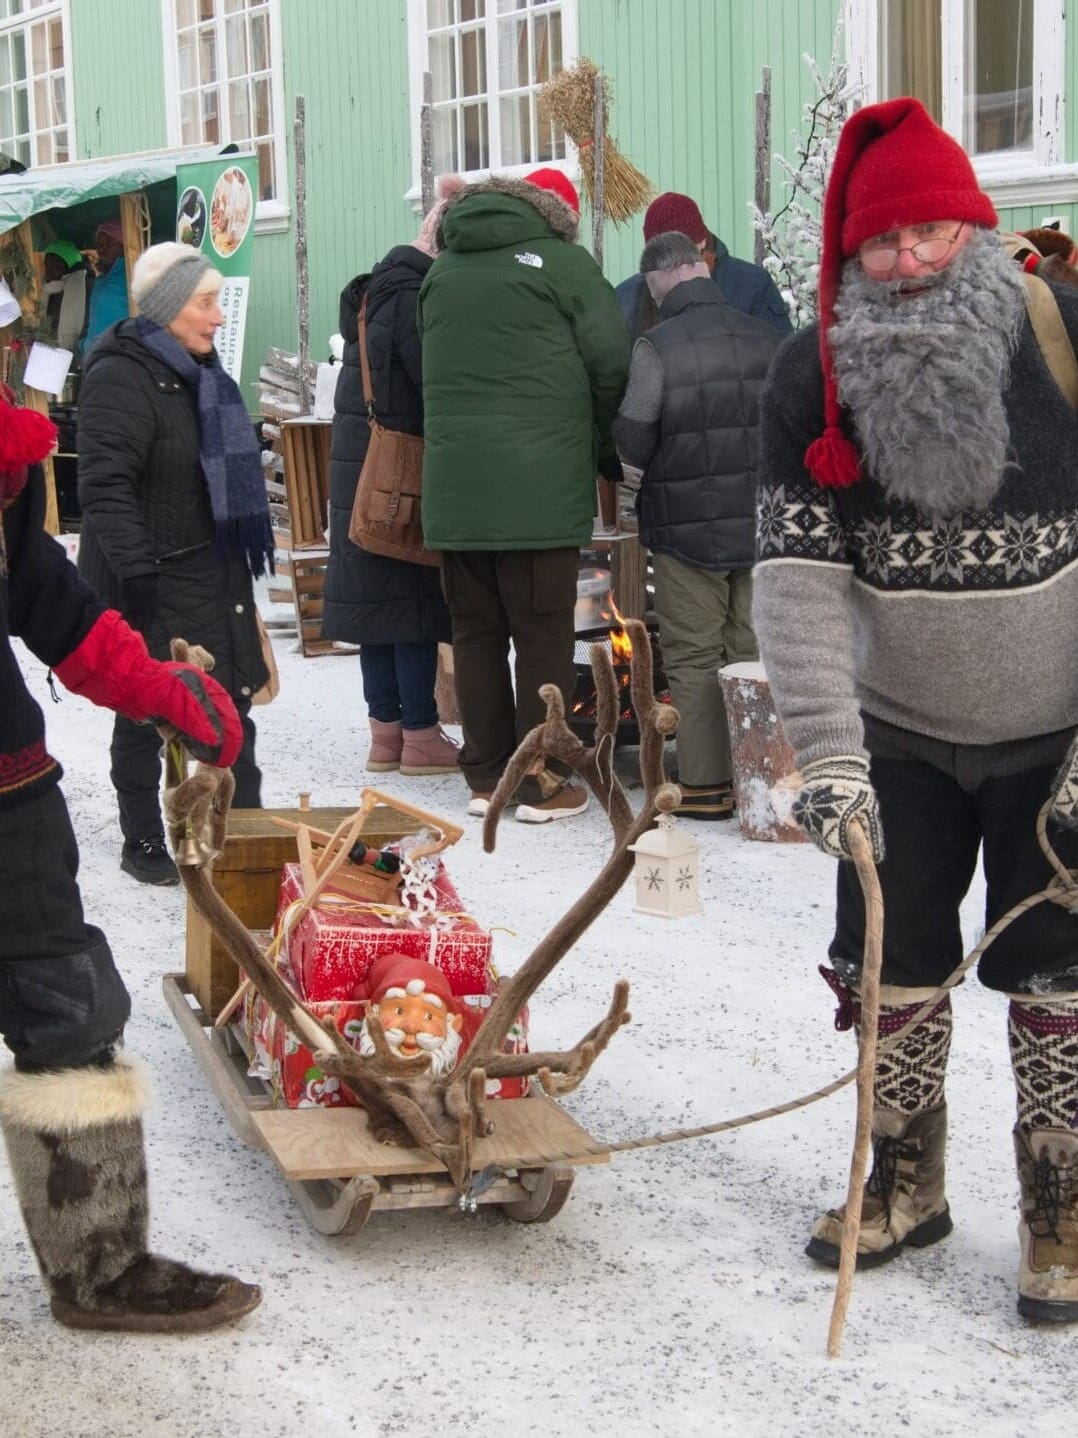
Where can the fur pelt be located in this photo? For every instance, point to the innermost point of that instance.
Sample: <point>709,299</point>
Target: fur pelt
<point>555,211</point>
<point>924,374</point>
<point>70,1101</point>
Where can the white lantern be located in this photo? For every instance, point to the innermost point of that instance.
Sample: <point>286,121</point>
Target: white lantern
<point>667,871</point>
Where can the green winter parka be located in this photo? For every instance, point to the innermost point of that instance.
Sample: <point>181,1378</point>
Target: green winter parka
<point>525,359</point>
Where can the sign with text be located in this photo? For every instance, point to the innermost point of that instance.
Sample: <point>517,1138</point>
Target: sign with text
<point>215,213</point>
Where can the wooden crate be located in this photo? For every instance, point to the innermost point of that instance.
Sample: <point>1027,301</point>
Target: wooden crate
<point>305,447</point>
<point>248,878</point>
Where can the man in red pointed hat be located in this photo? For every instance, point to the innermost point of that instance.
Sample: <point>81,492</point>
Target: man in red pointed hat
<point>71,1106</point>
<point>917,610</point>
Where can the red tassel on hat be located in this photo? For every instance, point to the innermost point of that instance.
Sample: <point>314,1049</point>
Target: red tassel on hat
<point>833,460</point>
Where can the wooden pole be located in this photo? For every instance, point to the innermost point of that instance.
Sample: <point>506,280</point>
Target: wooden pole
<point>763,156</point>
<point>597,198</point>
<point>426,144</point>
<point>303,299</point>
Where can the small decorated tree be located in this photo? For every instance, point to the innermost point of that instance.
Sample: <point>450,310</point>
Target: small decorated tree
<point>793,236</point>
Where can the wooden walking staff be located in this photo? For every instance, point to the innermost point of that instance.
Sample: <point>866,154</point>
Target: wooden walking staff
<point>866,1077</point>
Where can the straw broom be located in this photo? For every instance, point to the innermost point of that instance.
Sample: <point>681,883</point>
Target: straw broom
<point>568,100</point>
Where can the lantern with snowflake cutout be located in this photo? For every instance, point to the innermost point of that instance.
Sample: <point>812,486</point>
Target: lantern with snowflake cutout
<point>667,871</point>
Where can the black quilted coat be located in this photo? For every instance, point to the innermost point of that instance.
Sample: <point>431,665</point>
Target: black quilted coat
<point>370,599</point>
<point>146,509</point>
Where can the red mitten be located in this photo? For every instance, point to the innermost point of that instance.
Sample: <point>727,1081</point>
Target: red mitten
<point>112,667</point>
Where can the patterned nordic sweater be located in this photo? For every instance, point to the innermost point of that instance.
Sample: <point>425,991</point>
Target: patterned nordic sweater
<point>964,629</point>
<point>46,604</point>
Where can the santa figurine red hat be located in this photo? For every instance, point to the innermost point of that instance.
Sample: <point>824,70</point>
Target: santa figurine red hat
<point>398,971</point>
<point>894,167</point>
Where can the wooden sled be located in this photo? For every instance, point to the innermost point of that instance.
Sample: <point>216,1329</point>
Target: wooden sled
<point>340,1175</point>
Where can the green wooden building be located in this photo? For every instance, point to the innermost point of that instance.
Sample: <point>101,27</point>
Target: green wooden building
<point>86,79</point>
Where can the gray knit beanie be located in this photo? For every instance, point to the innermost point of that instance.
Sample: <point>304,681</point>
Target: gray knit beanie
<point>165,277</point>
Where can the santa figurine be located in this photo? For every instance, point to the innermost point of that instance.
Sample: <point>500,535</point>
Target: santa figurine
<point>417,1010</point>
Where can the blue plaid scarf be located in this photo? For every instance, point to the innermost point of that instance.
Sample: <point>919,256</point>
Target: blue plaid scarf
<point>228,450</point>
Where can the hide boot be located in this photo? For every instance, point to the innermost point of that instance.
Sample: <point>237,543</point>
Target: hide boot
<point>904,1201</point>
<point>74,1140</point>
<point>1043,1034</point>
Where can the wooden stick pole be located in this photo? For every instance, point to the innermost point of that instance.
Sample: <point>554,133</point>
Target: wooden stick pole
<point>598,180</point>
<point>763,156</point>
<point>866,1075</point>
<point>426,144</point>
<point>303,300</point>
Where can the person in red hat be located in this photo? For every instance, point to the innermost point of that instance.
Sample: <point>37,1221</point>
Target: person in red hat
<point>744,286</point>
<point>416,1007</point>
<point>71,1106</point>
<point>916,602</point>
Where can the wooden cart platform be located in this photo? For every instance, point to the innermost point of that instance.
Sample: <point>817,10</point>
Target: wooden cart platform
<point>340,1175</point>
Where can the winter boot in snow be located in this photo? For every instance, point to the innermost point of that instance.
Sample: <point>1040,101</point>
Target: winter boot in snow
<point>429,751</point>
<point>904,1201</point>
<point>1043,1036</point>
<point>74,1139</point>
<point>387,741</point>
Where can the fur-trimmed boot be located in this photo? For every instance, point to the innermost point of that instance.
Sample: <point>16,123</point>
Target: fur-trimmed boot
<point>1043,1036</point>
<point>904,1200</point>
<point>74,1140</point>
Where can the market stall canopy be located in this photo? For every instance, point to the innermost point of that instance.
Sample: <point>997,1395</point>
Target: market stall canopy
<point>61,187</point>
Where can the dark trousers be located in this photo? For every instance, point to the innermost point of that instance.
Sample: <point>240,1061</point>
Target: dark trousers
<point>61,1000</point>
<point>398,683</point>
<point>526,596</point>
<point>940,804</point>
<point>136,774</point>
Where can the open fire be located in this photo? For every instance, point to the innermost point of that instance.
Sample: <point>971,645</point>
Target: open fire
<point>581,718</point>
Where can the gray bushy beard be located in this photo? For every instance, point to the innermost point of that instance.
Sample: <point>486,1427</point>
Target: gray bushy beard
<point>923,375</point>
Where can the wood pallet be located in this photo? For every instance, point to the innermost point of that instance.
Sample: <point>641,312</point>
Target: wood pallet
<point>339,1175</point>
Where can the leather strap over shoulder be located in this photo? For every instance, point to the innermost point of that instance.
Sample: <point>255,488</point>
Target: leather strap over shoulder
<point>364,360</point>
<point>1052,337</point>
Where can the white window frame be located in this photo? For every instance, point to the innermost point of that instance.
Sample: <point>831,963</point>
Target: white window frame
<point>270,215</point>
<point>23,21</point>
<point>1012,178</point>
<point>417,64</point>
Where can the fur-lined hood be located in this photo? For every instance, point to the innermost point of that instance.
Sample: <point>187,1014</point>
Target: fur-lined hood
<point>476,219</point>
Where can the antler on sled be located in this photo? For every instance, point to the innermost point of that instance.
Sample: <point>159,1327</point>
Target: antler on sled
<point>405,1103</point>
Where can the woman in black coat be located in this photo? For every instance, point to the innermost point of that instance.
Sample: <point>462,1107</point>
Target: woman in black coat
<point>175,519</point>
<point>393,610</point>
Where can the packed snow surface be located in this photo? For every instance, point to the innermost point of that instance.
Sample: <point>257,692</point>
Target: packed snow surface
<point>670,1296</point>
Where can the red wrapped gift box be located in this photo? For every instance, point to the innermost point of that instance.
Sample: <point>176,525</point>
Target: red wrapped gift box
<point>332,946</point>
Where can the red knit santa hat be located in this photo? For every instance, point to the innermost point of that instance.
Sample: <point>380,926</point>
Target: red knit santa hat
<point>894,167</point>
<point>396,971</point>
<point>558,184</point>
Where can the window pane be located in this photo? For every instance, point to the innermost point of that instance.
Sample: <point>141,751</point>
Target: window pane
<point>7,114</point>
<point>516,130</point>
<point>911,56</point>
<point>999,96</point>
<point>190,127</point>
<point>236,47</point>
<point>59,100</point>
<point>443,67</point>
<point>56,44</point>
<point>211,125</point>
<point>206,9</point>
<point>472,9</point>
<point>43,148</point>
<point>185,13</point>
<point>207,50</point>
<point>263,107</point>
<point>239,111</point>
<point>474,127</point>
<point>232,6</point>
<point>6,76</point>
<point>473,62</point>
<point>445,140</point>
<point>549,139</point>
<point>39,48</point>
<point>22,110</point>
<point>512,53</point>
<point>185,56</point>
<point>22,152</point>
<point>260,41</point>
<point>42,119</point>
<point>441,12</point>
<point>18,54</point>
<point>60,147</point>
<point>504,6</point>
<point>267,179</point>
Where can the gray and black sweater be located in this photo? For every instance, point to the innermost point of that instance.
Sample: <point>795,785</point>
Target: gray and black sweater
<point>963,629</point>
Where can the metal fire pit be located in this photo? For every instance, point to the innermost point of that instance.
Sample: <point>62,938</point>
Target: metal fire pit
<point>581,715</point>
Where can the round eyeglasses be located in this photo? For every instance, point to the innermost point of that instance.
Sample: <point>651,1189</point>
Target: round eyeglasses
<point>880,258</point>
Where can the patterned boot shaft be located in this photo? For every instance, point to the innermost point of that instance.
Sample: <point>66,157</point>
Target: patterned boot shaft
<point>1048,1225</point>
<point>911,1070</point>
<point>74,1140</point>
<point>1044,1056</point>
<point>904,1201</point>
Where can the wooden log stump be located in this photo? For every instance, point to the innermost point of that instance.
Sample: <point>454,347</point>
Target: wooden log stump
<point>761,756</point>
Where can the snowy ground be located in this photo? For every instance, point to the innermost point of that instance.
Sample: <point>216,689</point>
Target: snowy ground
<point>670,1296</point>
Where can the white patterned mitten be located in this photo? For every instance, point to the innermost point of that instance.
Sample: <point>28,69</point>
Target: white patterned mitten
<point>833,793</point>
<point>1065,795</point>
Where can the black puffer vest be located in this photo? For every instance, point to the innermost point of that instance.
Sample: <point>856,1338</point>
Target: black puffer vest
<point>698,498</point>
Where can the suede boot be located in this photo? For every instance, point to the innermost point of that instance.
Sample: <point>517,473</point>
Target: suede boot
<point>429,751</point>
<point>1043,1033</point>
<point>74,1140</point>
<point>904,1201</point>
<point>387,741</point>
